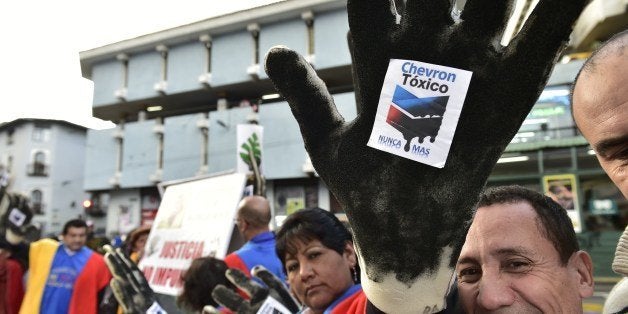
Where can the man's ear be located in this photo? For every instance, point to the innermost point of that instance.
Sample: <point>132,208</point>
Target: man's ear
<point>583,266</point>
<point>349,253</point>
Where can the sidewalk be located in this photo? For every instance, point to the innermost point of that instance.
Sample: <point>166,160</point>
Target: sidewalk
<point>595,303</point>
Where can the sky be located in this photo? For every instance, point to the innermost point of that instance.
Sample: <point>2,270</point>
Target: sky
<point>40,74</point>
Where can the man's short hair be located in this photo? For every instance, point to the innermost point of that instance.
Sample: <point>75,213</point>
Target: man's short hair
<point>552,219</point>
<point>256,211</point>
<point>74,223</point>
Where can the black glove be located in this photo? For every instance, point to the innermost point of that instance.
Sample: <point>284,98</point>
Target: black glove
<point>409,218</point>
<point>274,297</point>
<point>129,284</point>
<point>15,217</point>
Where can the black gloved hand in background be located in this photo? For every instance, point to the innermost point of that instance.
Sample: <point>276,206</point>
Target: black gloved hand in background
<point>129,284</point>
<point>274,296</point>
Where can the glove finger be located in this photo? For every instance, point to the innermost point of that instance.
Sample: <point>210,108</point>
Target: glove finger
<point>366,47</point>
<point>124,299</point>
<point>227,298</point>
<point>276,286</point>
<point>423,17</point>
<point>208,309</point>
<point>115,265</point>
<point>487,17</point>
<point>381,15</point>
<point>125,271</point>
<point>250,287</point>
<point>134,274</point>
<point>538,44</point>
<point>311,103</point>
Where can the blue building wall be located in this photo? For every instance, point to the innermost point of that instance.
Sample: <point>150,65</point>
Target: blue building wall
<point>107,77</point>
<point>140,154</point>
<point>330,39</point>
<point>144,72</point>
<point>100,159</point>
<point>222,138</point>
<point>185,63</point>
<point>231,55</point>
<point>182,147</point>
<point>292,33</point>
<point>284,153</point>
<point>66,174</point>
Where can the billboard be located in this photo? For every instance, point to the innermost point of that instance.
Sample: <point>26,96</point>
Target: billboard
<point>563,189</point>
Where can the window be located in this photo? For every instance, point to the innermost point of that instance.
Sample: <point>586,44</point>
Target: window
<point>10,164</point>
<point>41,132</point>
<point>604,207</point>
<point>36,202</point>
<point>38,167</point>
<point>550,118</point>
<point>97,205</point>
<point>10,136</point>
<point>293,195</point>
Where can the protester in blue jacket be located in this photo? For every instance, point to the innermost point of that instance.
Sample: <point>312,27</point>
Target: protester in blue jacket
<point>252,221</point>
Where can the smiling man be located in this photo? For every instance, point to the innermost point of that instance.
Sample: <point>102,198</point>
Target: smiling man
<point>600,107</point>
<point>521,255</point>
<point>65,277</point>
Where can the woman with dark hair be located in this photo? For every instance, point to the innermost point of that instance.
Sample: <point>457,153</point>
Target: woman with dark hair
<point>199,280</point>
<point>137,242</point>
<point>321,265</point>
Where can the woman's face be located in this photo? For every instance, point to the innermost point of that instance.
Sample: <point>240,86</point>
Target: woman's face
<point>318,275</point>
<point>140,243</point>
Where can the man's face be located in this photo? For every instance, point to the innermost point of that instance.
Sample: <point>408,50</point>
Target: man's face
<point>507,266</point>
<point>75,238</point>
<point>240,224</point>
<point>600,107</point>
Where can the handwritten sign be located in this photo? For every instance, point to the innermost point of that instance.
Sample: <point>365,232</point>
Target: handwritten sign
<point>195,219</point>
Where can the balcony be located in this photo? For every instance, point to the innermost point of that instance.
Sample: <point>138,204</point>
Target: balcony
<point>95,211</point>
<point>38,208</point>
<point>37,169</point>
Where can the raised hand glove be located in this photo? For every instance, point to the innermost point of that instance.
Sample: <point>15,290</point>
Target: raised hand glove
<point>409,218</point>
<point>15,217</point>
<point>129,284</point>
<point>274,298</point>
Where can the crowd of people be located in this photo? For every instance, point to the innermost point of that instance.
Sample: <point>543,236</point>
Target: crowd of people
<point>520,253</point>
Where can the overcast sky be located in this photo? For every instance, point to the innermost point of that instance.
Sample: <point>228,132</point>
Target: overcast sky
<point>41,40</point>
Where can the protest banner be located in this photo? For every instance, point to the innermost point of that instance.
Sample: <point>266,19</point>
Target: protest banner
<point>195,218</point>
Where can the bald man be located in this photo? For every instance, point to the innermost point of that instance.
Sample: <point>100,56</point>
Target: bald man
<point>600,107</point>
<point>252,221</point>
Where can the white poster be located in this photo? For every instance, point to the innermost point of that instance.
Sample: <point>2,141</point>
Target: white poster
<point>195,219</point>
<point>418,110</point>
<point>249,149</point>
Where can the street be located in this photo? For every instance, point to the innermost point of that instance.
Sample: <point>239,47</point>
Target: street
<point>595,303</point>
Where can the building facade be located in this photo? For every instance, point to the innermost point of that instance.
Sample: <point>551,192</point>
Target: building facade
<point>178,95</point>
<point>44,160</point>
